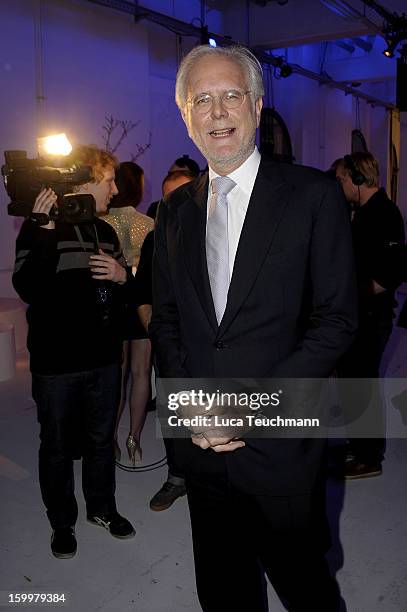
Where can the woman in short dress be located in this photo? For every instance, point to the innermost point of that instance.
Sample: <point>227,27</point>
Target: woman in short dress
<point>132,227</point>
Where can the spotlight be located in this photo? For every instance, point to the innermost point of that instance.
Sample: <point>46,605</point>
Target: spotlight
<point>391,46</point>
<point>285,71</point>
<point>394,35</point>
<point>55,145</point>
<point>212,42</point>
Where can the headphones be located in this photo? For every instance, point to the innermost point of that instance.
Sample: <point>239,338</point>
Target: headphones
<point>355,174</point>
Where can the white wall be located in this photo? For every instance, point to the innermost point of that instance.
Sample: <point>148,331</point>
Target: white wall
<point>93,66</point>
<point>170,139</point>
<point>402,197</point>
<point>17,111</point>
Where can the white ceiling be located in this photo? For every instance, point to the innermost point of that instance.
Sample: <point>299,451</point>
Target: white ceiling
<point>299,21</point>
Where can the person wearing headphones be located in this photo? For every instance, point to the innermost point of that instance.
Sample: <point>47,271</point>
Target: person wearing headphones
<point>378,238</point>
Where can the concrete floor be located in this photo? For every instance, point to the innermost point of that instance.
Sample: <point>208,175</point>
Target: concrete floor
<point>154,571</point>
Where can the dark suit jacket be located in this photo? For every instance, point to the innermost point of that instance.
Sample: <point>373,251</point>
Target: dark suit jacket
<point>291,308</point>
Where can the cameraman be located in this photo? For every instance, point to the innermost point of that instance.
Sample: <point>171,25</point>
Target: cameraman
<point>75,281</point>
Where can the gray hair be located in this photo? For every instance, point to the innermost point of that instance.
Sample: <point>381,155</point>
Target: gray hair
<point>249,63</point>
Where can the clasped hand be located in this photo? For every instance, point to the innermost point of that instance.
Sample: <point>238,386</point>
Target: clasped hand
<point>219,445</point>
<point>215,437</point>
<point>105,267</point>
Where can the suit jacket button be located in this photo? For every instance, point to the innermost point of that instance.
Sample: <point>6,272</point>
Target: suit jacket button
<point>219,346</point>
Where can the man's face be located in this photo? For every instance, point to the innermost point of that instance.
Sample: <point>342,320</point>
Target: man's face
<point>103,191</point>
<point>349,189</point>
<point>225,137</point>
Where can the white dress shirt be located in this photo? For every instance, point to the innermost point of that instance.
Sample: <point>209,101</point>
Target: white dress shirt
<point>238,200</point>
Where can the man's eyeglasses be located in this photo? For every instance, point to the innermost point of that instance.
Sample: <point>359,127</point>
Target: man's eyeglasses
<point>202,103</point>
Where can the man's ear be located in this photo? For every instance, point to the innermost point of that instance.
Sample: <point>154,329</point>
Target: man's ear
<point>258,105</point>
<point>185,119</point>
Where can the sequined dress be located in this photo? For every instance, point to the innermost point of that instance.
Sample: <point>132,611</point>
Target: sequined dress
<point>131,227</point>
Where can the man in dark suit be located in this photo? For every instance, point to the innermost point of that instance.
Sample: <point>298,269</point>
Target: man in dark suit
<point>252,278</point>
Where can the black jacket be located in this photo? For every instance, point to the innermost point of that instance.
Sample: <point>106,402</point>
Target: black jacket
<point>291,309</point>
<point>378,238</point>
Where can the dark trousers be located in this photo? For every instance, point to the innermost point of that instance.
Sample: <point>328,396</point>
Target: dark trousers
<point>175,472</point>
<point>237,538</point>
<point>77,414</point>
<point>362,362</point>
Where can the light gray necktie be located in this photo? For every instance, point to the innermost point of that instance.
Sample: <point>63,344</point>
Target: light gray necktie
<point>217,244</point>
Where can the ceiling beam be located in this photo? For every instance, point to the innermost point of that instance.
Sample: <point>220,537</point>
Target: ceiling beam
<point>363,44</point>
<point>344,45</point>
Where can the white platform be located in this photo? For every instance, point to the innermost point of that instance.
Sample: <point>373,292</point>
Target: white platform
<point>12,310</point>
<point>7,351</point>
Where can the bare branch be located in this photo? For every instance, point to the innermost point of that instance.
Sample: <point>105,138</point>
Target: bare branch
<point>126,127</point>
<point>141,149</point>
<point>109,127</point>
<point>121,129</point>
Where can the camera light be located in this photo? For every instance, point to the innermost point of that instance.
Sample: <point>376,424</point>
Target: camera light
<point>57,144</point>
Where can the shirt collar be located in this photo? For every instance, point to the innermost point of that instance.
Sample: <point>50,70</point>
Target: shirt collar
<point>245,175</point>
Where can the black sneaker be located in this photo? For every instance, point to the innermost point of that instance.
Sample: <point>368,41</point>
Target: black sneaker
<point>166,496</point>
<point>63,543</point>
<point>117,525</point>
<point>355,470</point>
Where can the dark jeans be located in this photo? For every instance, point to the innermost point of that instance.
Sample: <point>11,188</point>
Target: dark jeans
<point>238,538</point>
<point>362,361</point>
<point>77,412</point>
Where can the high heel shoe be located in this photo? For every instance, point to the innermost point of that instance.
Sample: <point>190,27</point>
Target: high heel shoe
<point>134,450</point>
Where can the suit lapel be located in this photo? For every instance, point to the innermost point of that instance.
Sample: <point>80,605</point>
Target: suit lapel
<point>192,218</point>
<point>266,207</point>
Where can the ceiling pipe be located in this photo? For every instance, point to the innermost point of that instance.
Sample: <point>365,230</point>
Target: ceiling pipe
<point>380,10</point>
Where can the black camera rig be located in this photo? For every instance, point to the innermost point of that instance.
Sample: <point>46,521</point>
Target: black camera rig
<point>24,178</point>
